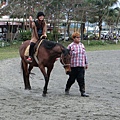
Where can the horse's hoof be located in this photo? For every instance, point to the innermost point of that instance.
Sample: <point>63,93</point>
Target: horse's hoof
<point>44,95</point>
<point>27,88</point>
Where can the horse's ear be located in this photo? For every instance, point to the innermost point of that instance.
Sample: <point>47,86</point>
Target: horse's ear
<point>63,50</point>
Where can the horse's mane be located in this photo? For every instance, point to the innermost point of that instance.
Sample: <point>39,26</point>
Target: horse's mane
<point>48,44</point>
<point>51,44</point>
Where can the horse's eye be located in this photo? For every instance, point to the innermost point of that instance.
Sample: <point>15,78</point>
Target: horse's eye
<point>65,58</point>
<point>64,66</point>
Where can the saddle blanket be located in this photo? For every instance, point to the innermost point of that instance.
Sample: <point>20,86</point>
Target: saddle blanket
<point>27,51</point>
<point>28,47</point>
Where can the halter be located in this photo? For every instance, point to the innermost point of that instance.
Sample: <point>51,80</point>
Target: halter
<point>64,65</point>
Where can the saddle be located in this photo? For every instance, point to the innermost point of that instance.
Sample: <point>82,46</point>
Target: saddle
<point>36,50</point>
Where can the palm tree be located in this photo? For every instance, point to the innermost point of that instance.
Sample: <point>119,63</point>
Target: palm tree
<point>112,16</point>
<point>101,9</point>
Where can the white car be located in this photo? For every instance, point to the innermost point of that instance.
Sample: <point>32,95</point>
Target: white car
<point>104,32</point>
<point>62,37</point>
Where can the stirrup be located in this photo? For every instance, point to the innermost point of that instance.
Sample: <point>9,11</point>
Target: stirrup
<point>29,59</point>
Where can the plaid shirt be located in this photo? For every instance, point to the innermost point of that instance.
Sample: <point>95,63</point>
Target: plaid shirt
<point>78,55</point>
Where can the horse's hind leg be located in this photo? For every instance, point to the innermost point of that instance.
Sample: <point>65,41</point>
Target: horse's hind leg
<point>29,69</point>
<point>26,75</point>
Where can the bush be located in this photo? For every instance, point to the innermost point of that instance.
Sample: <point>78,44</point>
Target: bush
<point>94,42</point>
<point>53,36</point>
<point>50,36</point>
<point>25,35</point>
<point>4,44</point>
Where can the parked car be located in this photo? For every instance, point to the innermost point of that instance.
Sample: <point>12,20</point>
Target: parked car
<point>104,32</point>
<point>93,36</point>
<point>62,37</point>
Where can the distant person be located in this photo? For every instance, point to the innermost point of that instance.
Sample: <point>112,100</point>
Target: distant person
<point>78,64</point>
<point>39,29</point>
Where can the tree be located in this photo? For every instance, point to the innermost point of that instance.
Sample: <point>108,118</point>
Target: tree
<point>112,17</point>
<point>58,10</point>
<point>101,9</point>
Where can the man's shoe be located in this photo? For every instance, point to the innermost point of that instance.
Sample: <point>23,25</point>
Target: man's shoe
<point>84,95</point>
<point>29,59</point>
<point>66,91</point>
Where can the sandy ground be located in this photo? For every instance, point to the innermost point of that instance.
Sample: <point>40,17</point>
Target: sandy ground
<point>102,84</point>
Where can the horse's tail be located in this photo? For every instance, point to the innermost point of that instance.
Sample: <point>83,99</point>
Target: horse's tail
<point>21,65</point>
<point>22,68</point>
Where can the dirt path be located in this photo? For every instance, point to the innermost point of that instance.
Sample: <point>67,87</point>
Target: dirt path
<point>102,83</point>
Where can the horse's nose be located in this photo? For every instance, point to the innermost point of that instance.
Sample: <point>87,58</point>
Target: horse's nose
<point>68,72</point>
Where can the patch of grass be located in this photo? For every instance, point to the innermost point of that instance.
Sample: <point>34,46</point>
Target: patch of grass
<point>100,45</point>
<point>97,45</point>
<point>103,47</point>
<point>10,51</point>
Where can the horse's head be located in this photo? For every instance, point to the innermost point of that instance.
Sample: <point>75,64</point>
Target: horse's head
<point>65,60</point>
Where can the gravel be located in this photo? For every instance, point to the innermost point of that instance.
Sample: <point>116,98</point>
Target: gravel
<point>102,84</point>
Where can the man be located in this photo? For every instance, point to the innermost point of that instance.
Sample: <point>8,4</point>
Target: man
<point>39,28</point>
<point>78,64</point>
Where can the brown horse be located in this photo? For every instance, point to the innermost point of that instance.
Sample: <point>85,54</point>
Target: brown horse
<point>48,51</point>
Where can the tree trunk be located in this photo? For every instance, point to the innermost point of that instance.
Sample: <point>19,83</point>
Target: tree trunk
<point>82,30</point>
<point>100,26</point>
<point>68,29</point>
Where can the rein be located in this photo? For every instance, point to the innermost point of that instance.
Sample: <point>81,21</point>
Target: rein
<point>38,47</point>
<point>64,65</point>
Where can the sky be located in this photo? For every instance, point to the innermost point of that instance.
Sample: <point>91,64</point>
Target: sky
<point>118,4</point>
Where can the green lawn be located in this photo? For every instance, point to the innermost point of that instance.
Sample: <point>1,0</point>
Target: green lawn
<point>103,47</point>
<point>98,45</point>
<point>12,51</point>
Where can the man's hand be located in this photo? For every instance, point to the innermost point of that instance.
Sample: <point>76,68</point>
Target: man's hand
<point>86,67</point>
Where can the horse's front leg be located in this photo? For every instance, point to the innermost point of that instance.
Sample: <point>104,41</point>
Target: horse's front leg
<point>46,76</point>
<point>49,69</point>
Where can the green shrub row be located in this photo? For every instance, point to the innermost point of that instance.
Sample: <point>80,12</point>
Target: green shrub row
<point>94,42</point>
<point>25,35</point>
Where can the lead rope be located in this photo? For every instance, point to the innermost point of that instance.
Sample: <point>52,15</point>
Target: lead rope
<point>63,61</point>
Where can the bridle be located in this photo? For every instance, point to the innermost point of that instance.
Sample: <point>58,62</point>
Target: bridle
<point>62,61</point>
